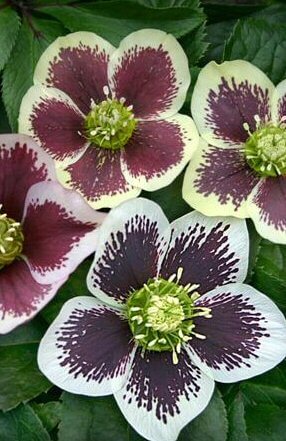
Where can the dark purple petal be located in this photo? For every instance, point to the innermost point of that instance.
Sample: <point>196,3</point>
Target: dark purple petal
<point>130,247</point>
<point>150,70</point>
<point>59,231</point>
<point>161,397</point>
<point>244,337</point>
<point>268,209</point>
<point>211,251</point>
<point>22,164</point>
<point>98,177</point>
<point>88,348</point>
<point>21,297</point>
<point>158,151</point>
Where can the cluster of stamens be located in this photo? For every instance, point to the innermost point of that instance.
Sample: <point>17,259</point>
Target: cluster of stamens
<point>161,314</point>
<point>110,123</point>
<point>11,239</point>
<point>265,149</point>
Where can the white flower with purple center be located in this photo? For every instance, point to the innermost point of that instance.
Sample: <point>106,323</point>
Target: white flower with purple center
<point>240,167</point>
<point>109,117</point>
<point>45,230</point>
<point>170,316</point>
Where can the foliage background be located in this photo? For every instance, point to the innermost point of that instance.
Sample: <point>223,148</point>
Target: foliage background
<point>31,409</point>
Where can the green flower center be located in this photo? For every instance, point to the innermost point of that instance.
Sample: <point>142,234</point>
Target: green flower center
<point>161,315</point>
<point>110,124</point>
<point>11,240</point>
<point>265,150</point>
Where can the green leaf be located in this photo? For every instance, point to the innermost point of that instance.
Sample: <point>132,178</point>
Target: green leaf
<point>269,274</point>
<point>20,378</point>
<point>31,332</point>
<point>22,424</point>
<point>75,286</point>
<point>265,422</point>
<point>211,425</point>
<point>170,199</point>
<point>275,14</point>
<point>236,421</point>
<point>260,43</point>
<point>216,35</point>
<point>9,27</point>
<point>18,73</point>
<point>114,20</point>
<point>49,413</point>
<point>217,11</point>
<point>194,45</point>
<point>4,123</point>
<point>98,419</point>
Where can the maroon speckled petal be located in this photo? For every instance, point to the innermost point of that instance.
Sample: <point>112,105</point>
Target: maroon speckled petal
<point>98,177</point>
<point>218,181</point>
<point>77,65</point>
<point>150,70</point>
<point>21,297</point>
<point>22,164</point>
<point>161,397</point>
<point>59,231</point>
<point>158,151</point>
<point>244,337</point>
<point>226,97</point>
<point>268,209</point>
<point>88,349</point>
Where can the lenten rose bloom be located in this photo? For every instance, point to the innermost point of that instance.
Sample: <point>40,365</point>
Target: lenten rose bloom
<point>240,167</point>
<point>109,116</point>
<point>45,230</point>
<point>170,316</point>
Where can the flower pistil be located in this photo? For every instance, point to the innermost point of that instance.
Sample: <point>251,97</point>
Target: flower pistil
<point>11,239</point>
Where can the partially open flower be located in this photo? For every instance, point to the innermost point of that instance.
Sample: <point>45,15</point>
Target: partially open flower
<point>109,117</point>
<point>45,230</point>
<point>240,168</point>
<point>170,316</point>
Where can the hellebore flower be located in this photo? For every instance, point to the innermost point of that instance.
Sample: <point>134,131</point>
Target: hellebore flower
<point>109,116</point>
<point>240,168</point>
<point>170,316</point>
<point>45,230</point>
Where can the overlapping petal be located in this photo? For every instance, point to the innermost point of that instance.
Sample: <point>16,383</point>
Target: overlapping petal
<point>227,96</point>
<point>88,349</point>
<point>98,177</point>
<point>54,121</point>
<point>160,398</point>
<point>77,65</point>
<point>22,164</point>
<point>279,102</point>
<point>59,229</point>
<point>150,70</point>
<point>245,336</point>
<point>211,251</point>
<point>218,181</point>
<point>158,151</point>
<point>267,208</point>
<point>21,297</point>
<point>131,245</point>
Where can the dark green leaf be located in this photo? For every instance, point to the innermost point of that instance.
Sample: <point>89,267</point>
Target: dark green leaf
<point>49,413</point>
<point>275,14</point>
<point>170,199</point>
<point>194,45</point>
<point>261,43</point>
<point>218,11</point>
<point>18,73</point>
<point>4,123</point>
<point>75,286</point>
<point>265,422</point>
<point>115,19</point>
<point>169,3</point>
<point>97,418</point>
<point>236,421</point>
<point>216,35</point>
<point>31,332</point>
<point>211,425</point>
<point>20,378</point>
<point>9,27</point>
<point>269,274</point>
<point>22,424</point>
